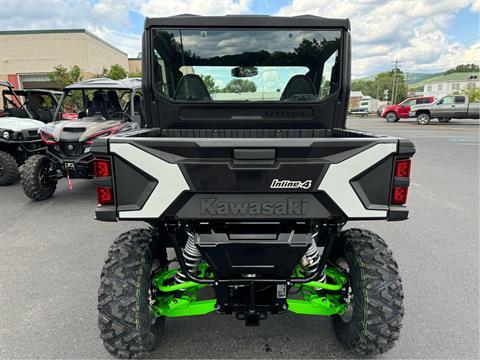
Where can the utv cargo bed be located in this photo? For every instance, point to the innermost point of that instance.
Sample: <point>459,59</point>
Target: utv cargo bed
<point>338,175</point>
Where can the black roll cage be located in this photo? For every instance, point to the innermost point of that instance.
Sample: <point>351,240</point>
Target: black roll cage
<point>162,112</point>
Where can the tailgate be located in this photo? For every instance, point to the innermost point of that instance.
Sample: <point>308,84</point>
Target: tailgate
<point>253,179</point>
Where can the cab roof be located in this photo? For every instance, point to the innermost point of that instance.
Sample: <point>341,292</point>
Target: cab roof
<point>248,21</point>
<point>106,83</point>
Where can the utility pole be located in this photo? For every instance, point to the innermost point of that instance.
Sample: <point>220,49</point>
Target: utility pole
<point>396,91</point>
<point>407,81</point>
<point>395,68</point>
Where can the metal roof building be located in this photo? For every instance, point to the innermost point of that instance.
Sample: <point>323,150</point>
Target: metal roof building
<point>29,55</point>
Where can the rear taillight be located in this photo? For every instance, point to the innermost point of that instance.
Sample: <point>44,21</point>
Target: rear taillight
<point>399,196</point>
<point>401,182</point>
<point>101,167</point>
<point>104,195</point>
<point>402,168</point>
<point>102,170</point>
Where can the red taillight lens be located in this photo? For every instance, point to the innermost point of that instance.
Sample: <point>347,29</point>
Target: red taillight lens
<point>104,195</point>
<point>402,168</point>
<point>399,196</point>
<point>101,167</point>
<point>402,175</point>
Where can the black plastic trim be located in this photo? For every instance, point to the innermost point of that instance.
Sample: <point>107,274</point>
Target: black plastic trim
<point>106,213</point>
<point>401,181</point>
<point>406,148</point>
<point>247,21</point>
<point>397,214</point>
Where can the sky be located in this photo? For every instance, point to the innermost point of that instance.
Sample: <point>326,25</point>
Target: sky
<point>423,35</point>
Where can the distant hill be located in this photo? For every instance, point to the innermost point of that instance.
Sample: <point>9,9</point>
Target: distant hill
<point>439,78</point>
<point>413,78</point>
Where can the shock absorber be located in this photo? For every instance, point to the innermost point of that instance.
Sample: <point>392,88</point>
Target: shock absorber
<point>311,259</point>
<point>192,257</point>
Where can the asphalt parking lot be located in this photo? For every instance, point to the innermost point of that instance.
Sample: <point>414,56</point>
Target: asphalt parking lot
<point>51,254</point>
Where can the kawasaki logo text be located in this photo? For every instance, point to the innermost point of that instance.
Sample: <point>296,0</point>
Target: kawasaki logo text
<point>289,206</point>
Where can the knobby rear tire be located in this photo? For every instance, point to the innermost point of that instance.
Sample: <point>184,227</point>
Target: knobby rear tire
<point>377,294</point>
<point>127,325</point>
<point>9,173</point>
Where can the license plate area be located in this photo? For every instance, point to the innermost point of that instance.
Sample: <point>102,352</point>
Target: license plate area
<point>264,258</point>
<point>69,165</point>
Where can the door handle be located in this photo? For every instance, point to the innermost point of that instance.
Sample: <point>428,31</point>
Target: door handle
<point>254,156</point>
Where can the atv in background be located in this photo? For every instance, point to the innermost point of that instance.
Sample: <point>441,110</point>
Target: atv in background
<point>250,186</point>
<point>103,107</point>
<point>23,113</point>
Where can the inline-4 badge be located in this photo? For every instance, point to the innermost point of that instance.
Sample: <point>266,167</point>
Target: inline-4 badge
<point>290,184</point>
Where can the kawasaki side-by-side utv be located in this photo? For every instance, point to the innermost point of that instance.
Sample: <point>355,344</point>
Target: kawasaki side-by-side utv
<point>247,175</point>
<point>102,107</point>
<point>24,112</point>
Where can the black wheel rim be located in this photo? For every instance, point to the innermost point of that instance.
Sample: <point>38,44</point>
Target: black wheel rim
<point>44,177</point>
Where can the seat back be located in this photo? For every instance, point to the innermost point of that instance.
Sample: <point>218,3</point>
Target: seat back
<point>99,105</point>
<point>113,102</point>
<point>299,86</point>
<point>192,87</point>
<point>138,108</point>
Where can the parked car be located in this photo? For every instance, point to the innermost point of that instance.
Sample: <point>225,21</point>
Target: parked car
<point>23,113</point>
<point>393,113</point>
<point>103,107</point>
<point>446,108</point>
<point>249,196</point>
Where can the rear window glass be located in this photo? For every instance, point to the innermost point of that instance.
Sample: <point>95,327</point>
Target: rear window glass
<point>245,65</point>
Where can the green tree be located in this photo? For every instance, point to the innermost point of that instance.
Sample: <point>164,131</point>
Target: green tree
<point>473,93</point>
<point>240,86</point>
<point>384,81</point>
<point>463,68</point>
<point>135,75</point>
<point>64,77</point>
<point>116,72</point>
<point>210,84</point>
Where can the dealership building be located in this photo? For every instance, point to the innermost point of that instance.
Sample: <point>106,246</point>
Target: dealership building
<point>28,56</point>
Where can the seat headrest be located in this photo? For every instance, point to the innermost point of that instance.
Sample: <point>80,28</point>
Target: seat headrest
<point>192,87</point>
<point>299,85</point>
<point>99,104</point>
